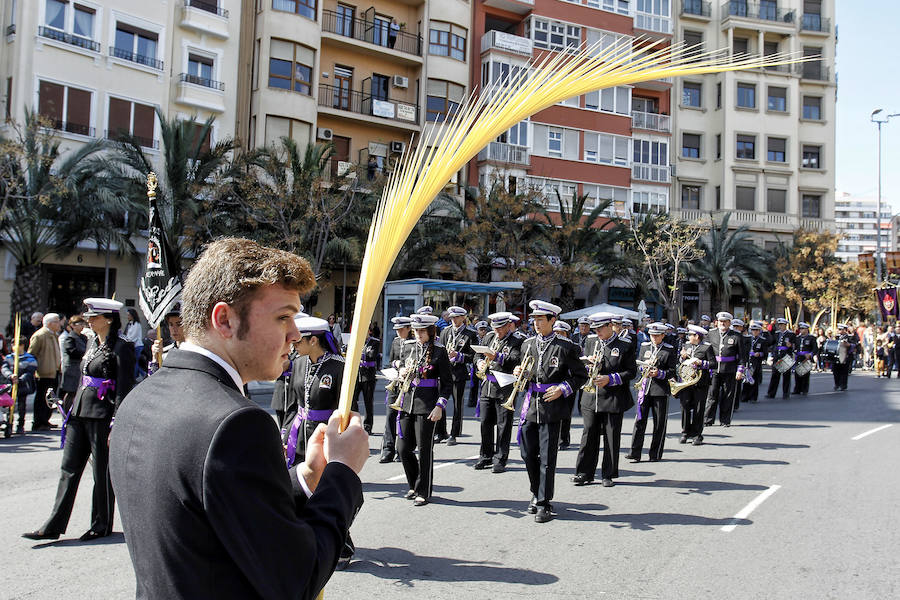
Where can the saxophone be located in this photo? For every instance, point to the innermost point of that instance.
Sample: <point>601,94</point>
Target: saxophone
<point>481,372</point>
<point>596,359</point>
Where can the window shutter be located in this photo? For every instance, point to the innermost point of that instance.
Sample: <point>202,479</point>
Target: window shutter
<point>540,139</point>
<point>50,101</point>
<point>143,121</point>
<point>78,112</point>
<point>119,120</point>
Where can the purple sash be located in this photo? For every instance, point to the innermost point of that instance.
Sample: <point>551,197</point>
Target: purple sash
<point>368,364</point>
<point>303,414</point>
<point>103,386</point>
<point>533,388</point>
<point>65,416</point>
<point>726,358</point>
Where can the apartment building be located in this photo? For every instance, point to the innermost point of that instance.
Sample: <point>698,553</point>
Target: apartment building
<point>95,69</point>
<point>855,219</point>
<point>758,145</point>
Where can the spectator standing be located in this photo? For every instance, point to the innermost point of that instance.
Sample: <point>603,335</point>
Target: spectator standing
<point>134,333</point>
<point>27,368</point>
<point>73,345</point>
<point>335,328</point>
<point>33,325</point>
<point>44,347</point>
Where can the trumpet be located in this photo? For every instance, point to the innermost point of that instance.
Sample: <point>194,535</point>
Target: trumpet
<point>596,359</point>
<point>646,365</point>
<point>481,372</point>
<point>519,384</point>
<point>403,383</point>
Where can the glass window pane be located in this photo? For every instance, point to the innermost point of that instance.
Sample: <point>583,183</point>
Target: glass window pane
<point>84,23</point>
<point>55,14</point>
<point>124,40</point>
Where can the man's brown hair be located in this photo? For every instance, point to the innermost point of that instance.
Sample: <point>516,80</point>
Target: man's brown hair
<point>231,270</point>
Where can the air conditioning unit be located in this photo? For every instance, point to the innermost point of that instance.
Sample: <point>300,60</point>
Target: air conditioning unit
<point>401,82</point>
<point>323,133</point>
<point>398,147</point>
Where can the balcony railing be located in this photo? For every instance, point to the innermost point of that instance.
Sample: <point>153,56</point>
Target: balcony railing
<point>148,61</point>
<point>499,40</point>
<point>367,104</point>
<point>698,8</point>
<point>380,34</point>
<point>68,38</point>
<point>813,22</point>
<point>651,121</point>
<point>506,153</point>
<point>10,29</point>
<point>813,71</point>
<point>210,7</point>
<point>655,173</point>
<point>70,127</point>
<point>210,83</point>
<point>754,218</point>
<point>119,135</point>
<point>763,11</point>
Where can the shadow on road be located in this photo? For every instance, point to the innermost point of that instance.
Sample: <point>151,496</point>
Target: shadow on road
<point>30,442</point>
<point>734,463</point>
<point>116,537</point>
<point>695,487</point>
<point>764,445</point>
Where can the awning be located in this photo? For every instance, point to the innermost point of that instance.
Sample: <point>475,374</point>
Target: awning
<point>586,312</point>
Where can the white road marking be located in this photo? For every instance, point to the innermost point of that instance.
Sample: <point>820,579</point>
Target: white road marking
<point>440,466</point>
<point>871,431</point>
<point>745,512</point>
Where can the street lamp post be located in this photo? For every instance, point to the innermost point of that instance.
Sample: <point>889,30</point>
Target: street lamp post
<point>879,122</point>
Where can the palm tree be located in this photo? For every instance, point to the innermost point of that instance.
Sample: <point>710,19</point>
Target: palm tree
<point>730,258</point>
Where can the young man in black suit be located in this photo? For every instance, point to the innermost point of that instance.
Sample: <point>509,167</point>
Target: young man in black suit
<point>208,507</point>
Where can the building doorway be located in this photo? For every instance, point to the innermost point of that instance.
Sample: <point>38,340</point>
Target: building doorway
<point>67,286</point>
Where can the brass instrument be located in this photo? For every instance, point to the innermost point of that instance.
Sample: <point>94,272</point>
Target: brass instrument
<point>404,382</point>
<point>596,359</point>
<point>646,365</point>
<point>520,382</point>
<point>690,375</point>
<point>481,371</point>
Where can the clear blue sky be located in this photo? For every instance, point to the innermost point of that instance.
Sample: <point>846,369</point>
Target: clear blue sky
<point>868,78</point>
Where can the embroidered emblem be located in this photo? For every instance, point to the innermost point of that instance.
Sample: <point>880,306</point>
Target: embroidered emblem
<point>730,340</point>
<point>554,362</point>
<point>325,382</point>
<point>614,352</point>
<point>647,354</point>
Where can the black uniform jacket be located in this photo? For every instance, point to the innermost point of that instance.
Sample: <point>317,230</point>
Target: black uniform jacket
<point>703,352</point>
<point>617,361</point>
<point>808,345</point>
<point>780,341</point>
<point>421,400</point>
<point>461,341</point>
<point>560,365</point>
<point>371,360</point>
<point>208,508</point>
<point>628,336</point>
<point>324,386</point>
<point>666,361</point>
<point>729,347</point>
<point>509,355</point>
<point>759,349</point>
<point>103,362</point>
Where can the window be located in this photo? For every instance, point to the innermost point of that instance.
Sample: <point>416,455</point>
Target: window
<point>553,35</point>
<point>619,6</point>
<point>195,131</point>
<point>613,100</point>
<point>718,146</point>
<point>811,206</point>
<point>746,147</point>
<point>718,197</point>
<point>651,152</point>
<point>811,157</point>
<point>55,14</point>
<point>719,95</point>
<point>746,95</point>
<point>770,49</point>
<point>617,198</point>
<point>279,127</point>
<point>517,135</point>
<point>603,41</point>
<point>690,196</point>
<point>605,149</point>
<point>740,46</point>
<point>379,86</point>
<point>443,99</point>
<point>694,38</point>
<point>290,66</point>
<point>812,108</point>
<point>446,39</point>
<point>776,149</point>
<point>200,68</point>
<point>136,45</point>
<point>66,108</point>
<point>71,18</point>
<point>306,8</point>
<point>345,18</point>
<point>554,142</point>
<point>691,94</point>
<point>776,200</point>
<point>777,99</point>
<point>131,118</point>
<point>644,202</point>
<point>745,198</point>
<point>9,86</point>
<point>690,145</point>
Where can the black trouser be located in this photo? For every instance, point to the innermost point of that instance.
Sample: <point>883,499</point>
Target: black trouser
<point>566,424</point>
<point>658,405</point>
<point>539,447</point>
<point>459,389</point>
<point>596,425</point>
<point>390,426</point>
<point>84,438</point>
<point>494,416</point>
<point>474,391</point>
<point>22,405</point>
<point>738,390</point>
<point>750,392</point>
<point>841,373</point>
<point>785,382</point>
<point>801,383</point>
<point>693,407</point>
<point>367,389</point>
<point>721,392</point>
<point>41,414</point>
<point>417,430</point>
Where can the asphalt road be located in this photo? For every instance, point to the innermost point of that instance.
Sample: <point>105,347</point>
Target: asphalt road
<point>798,499</point>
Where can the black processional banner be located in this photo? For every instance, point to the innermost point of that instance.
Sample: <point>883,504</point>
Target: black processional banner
<point>161,283</point>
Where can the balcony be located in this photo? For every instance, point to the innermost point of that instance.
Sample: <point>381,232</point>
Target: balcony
<point>118,136</point>
<point>365,104</point>
<point>147,61</point>
<point>505,153</point>
<point>651,121</point>
<point>695,8</point>
<point>815,24</point>
<point>757,11</point>
<point>210,83</point>
<point>813,71</point>
<point>69,127</point>
<point>371,33</point>
<point>755,220</point>
<point>653,173</point>
<point>520,7</point>
<point>205,17</point>
<point>506,42</point>
<point>200,92</point>
<point>68,38</point>
<point>653,23</point>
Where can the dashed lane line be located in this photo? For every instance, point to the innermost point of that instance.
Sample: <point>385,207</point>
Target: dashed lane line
<point>870,432</point>
<point>440,466</point>
<point>745,512</point>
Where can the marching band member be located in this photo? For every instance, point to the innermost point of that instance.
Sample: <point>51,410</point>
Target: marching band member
<point>627,334</point>
<point>481,329</point>
<point>680,340</point>
<point>493,416</point>
<point>563,329</point>
<point>423,406</point>
<point>604,406</point>
<point>784,343</point>
<point>807,348</point>
<point>738,325</point>
<point>705,322</point>
<point>693,398</point>
<point>388,440</point>
<point>457,339</point>
<point>579,337</point>
<point>841,368</point>
<point>558,373</point>
<point>726,344</point>
<point>757,352</point>
<point>365,380</point>
<point>653,396</point>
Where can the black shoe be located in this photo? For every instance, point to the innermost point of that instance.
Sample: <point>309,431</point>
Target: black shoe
<point>386,458</point>
<point>482,464</point>
<point>532,506</point>
<point>844,389</point>
<point>498,468</point>
<point>698,441</point>
<point>420,501</point>
<point>343,562</point>
<point>410,494</point>
<point>785,396</point>
<point>563,445</point>
<point>398,459</point>
<point>543,515</point>
<point>91,535</point>
<point>46,427</point>
<point>40,534</point>
<point>683,439</point>
<point>368,429</point>
<point>20,429</point>
<point>726,424</point>
<point>451,441</point>
<point>633,458</point>
<point>607,483</point>
<point>653,459</point>
<point>708,423</point>
<point>582,479</point>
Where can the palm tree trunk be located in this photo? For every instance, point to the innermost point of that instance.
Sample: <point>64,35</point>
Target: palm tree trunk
<point>26,296</point>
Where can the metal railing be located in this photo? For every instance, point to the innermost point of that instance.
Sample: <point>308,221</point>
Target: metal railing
<point>210,83</point>
<point>753,218</point>
<point>367,104</point>
<point>119,135</point>
<point>499,40</point>
<point>813,22</point>
<point>208,6</point>
<point>651,121</point>
<point>700,8</point>
<point>763,11</point>
<point>380,34</point>
<point>644,172</point>
<point>68,38</point>
<point>814,71</point>
<point>10,29</point>
<point>140,59</point>
<point>507,153</point>
<point>76,128</point>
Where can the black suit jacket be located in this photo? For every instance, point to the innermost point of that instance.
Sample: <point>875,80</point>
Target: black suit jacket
<point>617,360</point>
<point>208,507</point>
